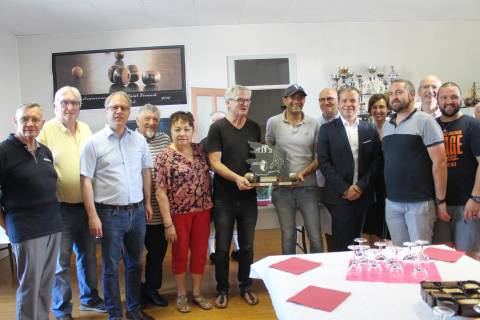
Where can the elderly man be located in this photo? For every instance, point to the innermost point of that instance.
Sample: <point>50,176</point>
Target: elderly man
<point>29,211</point>
<point>476,111</point>
<point>428,91</point>
<point>64,135</point>
<point>348,153</point>
<point>295,135</point>
<point>115,168</point>
<point>415,168</point>
<point>328,101</point>
<point>148,121</point>
<point>235,198</point>
<point>462,144</point>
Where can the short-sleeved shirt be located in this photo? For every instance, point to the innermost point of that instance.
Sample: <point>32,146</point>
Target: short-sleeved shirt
<point>65,148</point>
<point>187,183</point>
<point>156,145</point>
<point>296,142</point>
<point>408,167</point>
<point>462,144</point>
<point>115,164</point>
<point>233,144</point>
<point>28,184</point>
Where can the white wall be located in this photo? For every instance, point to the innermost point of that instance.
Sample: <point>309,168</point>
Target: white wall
<point>416,49</point>
<point>9,82</point>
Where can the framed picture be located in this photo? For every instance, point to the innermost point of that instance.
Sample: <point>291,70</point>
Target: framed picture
<point>153,75</point>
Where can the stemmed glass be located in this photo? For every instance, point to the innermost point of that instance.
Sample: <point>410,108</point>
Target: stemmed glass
<point>422,256</point>
<point>442,312</point>
<point>374,266</point>
<point>381,254</point>
<point>410,256</point>
<point>355,268</point>
<point>363,247</point>
<point>419,272</point>
<point>395,268</point>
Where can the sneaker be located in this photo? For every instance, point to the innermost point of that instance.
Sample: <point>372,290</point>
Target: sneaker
<point>99,306</point>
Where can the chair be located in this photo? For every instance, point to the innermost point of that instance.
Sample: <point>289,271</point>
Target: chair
<point>5,241</point>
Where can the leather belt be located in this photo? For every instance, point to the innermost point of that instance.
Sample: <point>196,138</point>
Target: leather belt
<point>76,205</point>
<point>127,207</point>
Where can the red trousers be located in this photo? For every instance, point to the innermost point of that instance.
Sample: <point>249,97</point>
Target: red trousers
<point>192,230</point>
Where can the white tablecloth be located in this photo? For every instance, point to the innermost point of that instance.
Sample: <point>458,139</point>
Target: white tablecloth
<point>368,300</point>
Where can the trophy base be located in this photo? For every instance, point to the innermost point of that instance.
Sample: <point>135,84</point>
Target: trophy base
<point>276,183</point>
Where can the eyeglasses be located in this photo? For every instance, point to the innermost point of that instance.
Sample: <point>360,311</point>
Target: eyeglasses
<point>328,99</point>
<point>33,120</point>
<point>65,103</point>
<point>242,101</point>
<point>115,108</point>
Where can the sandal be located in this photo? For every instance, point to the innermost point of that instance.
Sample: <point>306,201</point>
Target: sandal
<point>250,297</point>
<point>222,300</point>
<point>202,302</point>
<point>182,304</point>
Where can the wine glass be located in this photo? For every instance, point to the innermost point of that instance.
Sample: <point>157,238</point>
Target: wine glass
<point>355,269</point>
<point>410,256</point>
<point>374,266</point>
<point>423,257</point>
<point>419,273</point>
<point>381,253</point>
<point>361,242</point>
<point>395,268</point>
<point>442,312</point>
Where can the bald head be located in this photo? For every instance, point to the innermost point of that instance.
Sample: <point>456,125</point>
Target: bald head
<point>428,91</point>
<point>328,100</point>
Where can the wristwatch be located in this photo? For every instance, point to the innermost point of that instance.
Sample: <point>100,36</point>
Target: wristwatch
<point>439,201</point>
<point>475,198</point>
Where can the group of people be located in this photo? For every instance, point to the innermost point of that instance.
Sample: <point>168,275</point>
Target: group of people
<point>63,186</point>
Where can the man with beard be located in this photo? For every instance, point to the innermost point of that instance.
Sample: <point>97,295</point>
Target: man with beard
<point>415,168</point>
<point>328,101</point>
<point>148,120</point>
<point>348,153</point>
<point>295,134</point>
<point>462,144</point>
<point>428,91</point>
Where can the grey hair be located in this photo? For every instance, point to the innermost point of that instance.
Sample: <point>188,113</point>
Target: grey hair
<point>407,83</point>
<point>26,106</point>
<point>118,93</point>
<point>232,92</point>
<point>60,92</point>
<point>149,107</point>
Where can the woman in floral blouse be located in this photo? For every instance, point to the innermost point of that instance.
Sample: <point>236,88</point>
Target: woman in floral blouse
<point>183,194</point>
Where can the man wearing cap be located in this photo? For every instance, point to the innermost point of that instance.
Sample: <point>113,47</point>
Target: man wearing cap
<point>295,134</point>
<point>348,153</point>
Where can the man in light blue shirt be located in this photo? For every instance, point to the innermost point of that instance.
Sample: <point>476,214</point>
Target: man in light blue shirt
<point>115,168</point>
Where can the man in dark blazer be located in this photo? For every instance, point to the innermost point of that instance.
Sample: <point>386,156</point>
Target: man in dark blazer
<point>348,152</point>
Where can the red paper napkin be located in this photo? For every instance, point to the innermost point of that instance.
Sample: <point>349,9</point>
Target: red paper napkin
<point>443,255</point>
<point>319,298</point>
<point>295,265</point>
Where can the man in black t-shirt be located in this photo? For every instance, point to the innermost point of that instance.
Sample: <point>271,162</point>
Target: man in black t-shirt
<point>234,198</point>
<point>462,144</point>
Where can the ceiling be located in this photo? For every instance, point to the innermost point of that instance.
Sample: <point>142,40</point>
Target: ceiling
<point>28,17</point>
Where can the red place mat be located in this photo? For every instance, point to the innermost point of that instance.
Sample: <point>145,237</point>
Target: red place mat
<point>443,255</point>
<point>319,298</point>
<point>295,265</point>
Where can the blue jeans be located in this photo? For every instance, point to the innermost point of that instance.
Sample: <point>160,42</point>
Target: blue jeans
<point>410,221</point>
<point>287,201</point>
<point>76,236</point>
<point>123,234</point>
<point>225,213</point>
